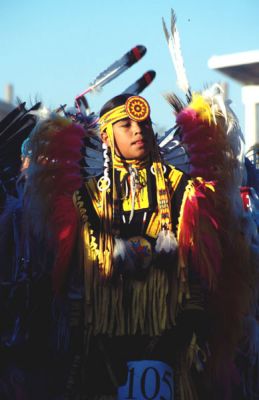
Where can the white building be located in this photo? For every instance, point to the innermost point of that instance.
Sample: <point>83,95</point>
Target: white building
<point>244,68</point>
<point>6,105</point>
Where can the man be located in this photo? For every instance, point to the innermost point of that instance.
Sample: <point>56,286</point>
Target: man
<point>141,264</point>
<point>132,284</point>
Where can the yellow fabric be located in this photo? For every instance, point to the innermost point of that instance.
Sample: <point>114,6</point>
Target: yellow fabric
<point>103,209</point>
<point>106,236</point>
<point>162,193</point>
<point>112,116</point>
<point>146,310</point>
<point>95,194</point>
<point>174,178</point>
<point>141,200</point>
<point>154,225</point>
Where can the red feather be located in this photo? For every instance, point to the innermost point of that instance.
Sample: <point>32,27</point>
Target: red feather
<point>207,146</point>
<point>211,242</point>
<point>66,149</point>
<point>53,177</point>
<point>64,221</point>
<point>199,232</point>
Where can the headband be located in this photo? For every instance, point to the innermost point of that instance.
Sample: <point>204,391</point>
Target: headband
<point>135,108</point>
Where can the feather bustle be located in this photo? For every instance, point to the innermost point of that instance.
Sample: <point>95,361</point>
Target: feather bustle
<point>52,177</point>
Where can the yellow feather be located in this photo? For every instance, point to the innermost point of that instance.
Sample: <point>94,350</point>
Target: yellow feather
<point>202,107</point>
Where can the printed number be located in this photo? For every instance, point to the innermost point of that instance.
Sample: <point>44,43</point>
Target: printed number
<point>167,379</point>
<point>143,383</point>
<point>131,384</point>
<point>168,382</point>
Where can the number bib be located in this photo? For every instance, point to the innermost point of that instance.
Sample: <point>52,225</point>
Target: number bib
<point>148,380</point>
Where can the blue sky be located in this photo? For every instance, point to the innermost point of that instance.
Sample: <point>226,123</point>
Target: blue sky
<point>52,50</point>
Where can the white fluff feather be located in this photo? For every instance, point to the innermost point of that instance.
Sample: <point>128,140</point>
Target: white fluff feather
<point>166,242</point>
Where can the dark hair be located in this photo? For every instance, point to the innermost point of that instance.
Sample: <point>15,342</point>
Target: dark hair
<point>114,102</point>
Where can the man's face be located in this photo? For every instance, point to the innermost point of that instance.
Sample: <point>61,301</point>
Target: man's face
<point>133,140</point>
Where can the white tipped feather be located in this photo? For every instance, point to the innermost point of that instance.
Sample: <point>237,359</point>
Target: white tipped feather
<point>175,50</point>
<point>166,242</point>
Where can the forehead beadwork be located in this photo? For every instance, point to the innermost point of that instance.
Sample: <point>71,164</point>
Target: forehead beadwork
<point>137,108</point>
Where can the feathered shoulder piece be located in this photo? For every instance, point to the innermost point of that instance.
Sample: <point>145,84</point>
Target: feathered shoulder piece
<point>211,240</point>
<point>52,177</point>
<point>212,137</point>
<point>210,234</point>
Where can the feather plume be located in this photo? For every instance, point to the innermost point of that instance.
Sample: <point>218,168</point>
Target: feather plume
<point>173,40</point>
<point>166,242</point>
<point>53,175</point>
